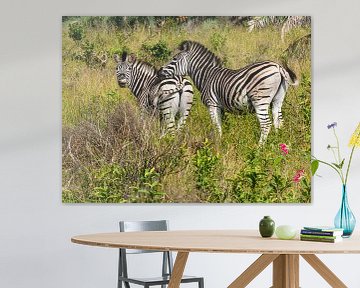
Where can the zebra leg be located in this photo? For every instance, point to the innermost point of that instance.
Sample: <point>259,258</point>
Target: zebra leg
<point>262,113</point>
<point>167,123</point>
<point>215,114</point>
<point>277,104</point>
<point>168,105</point>
<point>185,104</point>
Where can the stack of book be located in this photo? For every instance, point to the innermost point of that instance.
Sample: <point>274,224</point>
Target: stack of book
<point>321,234</point>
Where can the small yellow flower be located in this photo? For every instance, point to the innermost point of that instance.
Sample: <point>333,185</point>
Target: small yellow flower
<point>355,138</point>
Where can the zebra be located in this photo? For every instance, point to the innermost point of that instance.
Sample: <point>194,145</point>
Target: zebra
<point>254,87</point>
<point>170,97</point>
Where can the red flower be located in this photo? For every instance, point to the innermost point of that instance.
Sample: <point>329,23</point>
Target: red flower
<point>284,149</point>
<point>298,176</point>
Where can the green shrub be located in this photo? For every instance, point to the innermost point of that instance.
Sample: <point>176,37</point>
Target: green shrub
<point>267,176</point>
<point>131,22</point>
<point>108,184</point>
<point>94,21</point>
<point>88,52</point>
<point>149,188</point>
<point>158,52</point>
<point>218,40</point>
<point>76,31</point>
<point>207,23</point>
<point>305,98</point>
<point>90,55</point>
<point>206,163</point>
<point>249,180</point>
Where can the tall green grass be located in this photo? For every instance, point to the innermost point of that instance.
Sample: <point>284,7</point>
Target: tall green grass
<point>112,153</point>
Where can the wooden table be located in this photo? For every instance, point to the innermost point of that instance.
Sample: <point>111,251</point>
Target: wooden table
<point>284,254</point>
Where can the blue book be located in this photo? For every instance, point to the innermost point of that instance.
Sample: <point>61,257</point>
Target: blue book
<point>322,231</point>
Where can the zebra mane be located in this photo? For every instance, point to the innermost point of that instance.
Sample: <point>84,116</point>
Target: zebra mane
<point>189,45</point>
<point>147,65</point>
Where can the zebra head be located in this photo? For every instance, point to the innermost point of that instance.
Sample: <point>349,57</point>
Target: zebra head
<point>179,65</point>
<point>124,68</point>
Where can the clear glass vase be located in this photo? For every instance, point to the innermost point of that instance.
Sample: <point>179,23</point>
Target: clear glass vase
<point>345,219</point>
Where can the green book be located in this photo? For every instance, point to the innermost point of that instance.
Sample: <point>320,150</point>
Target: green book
<point>319,236</point>
<point>325,240</point>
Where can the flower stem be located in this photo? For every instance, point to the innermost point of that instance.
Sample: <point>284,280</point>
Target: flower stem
<point>351,155</point>
<point>339,160</point>
<point>338,146</point>
<point>336,169</point>
<point>333,152</point>
<point>348,167</point>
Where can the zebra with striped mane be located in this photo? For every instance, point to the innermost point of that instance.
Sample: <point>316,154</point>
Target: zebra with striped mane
<point>170,97</point>
<point>256,86</point>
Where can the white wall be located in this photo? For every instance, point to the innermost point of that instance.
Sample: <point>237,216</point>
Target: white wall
<point>35,227</point>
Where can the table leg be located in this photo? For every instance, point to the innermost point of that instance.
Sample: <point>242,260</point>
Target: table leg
<point>324,271</point>
<point>286,271</point>
<point>253,270</point>
<point>178,269</point>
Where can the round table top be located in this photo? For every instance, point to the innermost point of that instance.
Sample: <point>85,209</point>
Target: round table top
<point>220,241</point>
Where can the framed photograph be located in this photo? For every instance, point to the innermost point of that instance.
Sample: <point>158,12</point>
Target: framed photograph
<point>186,109</point>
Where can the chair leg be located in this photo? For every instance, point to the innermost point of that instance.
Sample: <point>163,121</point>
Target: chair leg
<point>201,283</point>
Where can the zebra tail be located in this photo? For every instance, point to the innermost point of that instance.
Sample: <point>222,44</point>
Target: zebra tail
<point>289,75</point>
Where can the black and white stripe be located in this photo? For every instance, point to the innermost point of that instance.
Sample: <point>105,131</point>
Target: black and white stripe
<point>255,86</point>
<point>171,97</point>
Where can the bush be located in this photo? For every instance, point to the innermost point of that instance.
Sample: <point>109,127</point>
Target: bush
<point>249,180</point>
<point>121,160</point>
<point>108,184</point>
<point>149,188</point>
<point>206,163</point>
<point>130,22</point>
<point>94,21</point>
<point>158,52</point>
<point>218,40</point>
<point>267,176</point>
<point>76,31</point>
<point>305,99</point>
<point>88,52</point>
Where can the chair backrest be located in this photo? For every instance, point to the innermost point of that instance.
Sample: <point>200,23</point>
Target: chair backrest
<point>134,226</point>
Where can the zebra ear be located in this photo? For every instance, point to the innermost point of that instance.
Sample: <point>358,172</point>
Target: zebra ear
<point>131,58</point>
<point>116,58</point>
<point>184,46</point>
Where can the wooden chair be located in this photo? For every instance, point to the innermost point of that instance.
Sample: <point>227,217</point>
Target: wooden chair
<point>167,262</point>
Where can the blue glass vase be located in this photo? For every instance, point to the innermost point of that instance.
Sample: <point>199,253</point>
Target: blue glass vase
<point>345,219</point>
